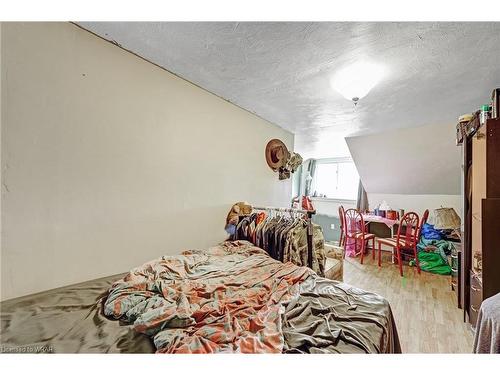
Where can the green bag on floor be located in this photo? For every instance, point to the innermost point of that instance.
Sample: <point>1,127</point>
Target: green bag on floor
<point>434,263</point>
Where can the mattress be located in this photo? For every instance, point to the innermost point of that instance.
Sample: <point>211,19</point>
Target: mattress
<point>230,298</point>
<point>67,320</point>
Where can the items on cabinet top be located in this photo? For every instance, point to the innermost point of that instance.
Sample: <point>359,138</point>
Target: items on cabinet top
<point>468,124</point>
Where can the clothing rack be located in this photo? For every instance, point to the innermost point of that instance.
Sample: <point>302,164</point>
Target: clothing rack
<point>309,226</point>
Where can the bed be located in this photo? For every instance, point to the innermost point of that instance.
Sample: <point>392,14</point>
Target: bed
<point>231,298</point>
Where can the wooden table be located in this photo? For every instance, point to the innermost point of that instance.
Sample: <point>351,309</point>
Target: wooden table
<point>368,218</point>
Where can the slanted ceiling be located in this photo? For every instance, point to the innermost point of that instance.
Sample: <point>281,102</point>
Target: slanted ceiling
<point>422,160</point>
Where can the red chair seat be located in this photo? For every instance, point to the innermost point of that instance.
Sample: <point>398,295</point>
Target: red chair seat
<point>359,235</point>
<point>393,241</point>
<point>387,241</point>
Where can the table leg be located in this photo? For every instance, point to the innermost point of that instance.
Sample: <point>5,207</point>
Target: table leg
<point>392,251</point>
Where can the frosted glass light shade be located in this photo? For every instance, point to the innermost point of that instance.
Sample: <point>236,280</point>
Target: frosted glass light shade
<point>355,81</point>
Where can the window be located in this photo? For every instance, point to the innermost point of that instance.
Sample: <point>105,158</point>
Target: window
<point>336,179</point>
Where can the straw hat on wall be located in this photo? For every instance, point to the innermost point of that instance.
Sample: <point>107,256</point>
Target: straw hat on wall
<point>276,154</point>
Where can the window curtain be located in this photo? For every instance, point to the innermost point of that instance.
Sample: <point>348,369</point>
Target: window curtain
<point>298,183</point>
<point>308,176</point>
<point>362,202</point>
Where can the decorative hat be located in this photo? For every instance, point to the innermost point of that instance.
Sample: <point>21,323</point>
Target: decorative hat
<point>276,154</point>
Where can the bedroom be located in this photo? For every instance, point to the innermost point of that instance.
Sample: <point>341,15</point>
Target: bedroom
<point>350,165</point>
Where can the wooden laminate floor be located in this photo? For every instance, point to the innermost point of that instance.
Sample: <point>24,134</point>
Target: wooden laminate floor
<point>424,306</point>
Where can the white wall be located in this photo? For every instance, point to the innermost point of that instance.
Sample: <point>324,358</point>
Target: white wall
<point>330,207</point>
<point>109,161</point>
<point>413,169</point>
<point>413,161</point>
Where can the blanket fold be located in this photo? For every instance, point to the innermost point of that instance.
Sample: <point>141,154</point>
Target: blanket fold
<point>235,298</point>
<point>226,299</point>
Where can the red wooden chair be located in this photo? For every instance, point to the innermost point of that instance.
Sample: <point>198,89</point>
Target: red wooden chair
<point>355,229</point>
<point>407,238</point>
<point>342,226</point>
<point>423,220</point>
<point>425,216</point>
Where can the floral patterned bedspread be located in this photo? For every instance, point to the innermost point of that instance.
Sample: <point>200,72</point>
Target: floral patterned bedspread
<point>226,299</point>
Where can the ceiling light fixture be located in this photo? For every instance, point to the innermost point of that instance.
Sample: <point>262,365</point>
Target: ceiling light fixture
<point>355,81</point>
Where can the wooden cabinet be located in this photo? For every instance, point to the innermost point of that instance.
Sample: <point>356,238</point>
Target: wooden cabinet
<point>492,158</point>
<point>481,209</point>
<point>491,246</point>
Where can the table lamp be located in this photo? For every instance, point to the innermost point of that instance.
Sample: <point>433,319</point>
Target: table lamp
<point>446,218</point>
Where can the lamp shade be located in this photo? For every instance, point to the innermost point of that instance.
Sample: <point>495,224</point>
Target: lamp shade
<point>446,218</point>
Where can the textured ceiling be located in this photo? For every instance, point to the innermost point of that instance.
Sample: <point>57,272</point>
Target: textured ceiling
<point>281,70</point>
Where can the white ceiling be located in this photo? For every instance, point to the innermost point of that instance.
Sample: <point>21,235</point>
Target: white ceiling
<point>281,70</point>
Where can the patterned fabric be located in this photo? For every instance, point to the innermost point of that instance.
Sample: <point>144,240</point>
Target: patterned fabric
<point>319,255</point>
<point>284,239</point>
<point>226,299</point>
<point>232,298</point>
<point>296,248</point>
<point>293,162</point>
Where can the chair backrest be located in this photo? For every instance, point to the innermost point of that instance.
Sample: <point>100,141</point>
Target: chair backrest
<point>354,221</point>
<point>425,216</point>
<point>408,229</point>
<point>342,217</point>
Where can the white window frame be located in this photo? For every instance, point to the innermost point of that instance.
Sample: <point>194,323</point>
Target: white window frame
<point>332,161</point>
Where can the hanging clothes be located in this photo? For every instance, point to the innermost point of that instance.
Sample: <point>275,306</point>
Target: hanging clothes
<point>283,237</point>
